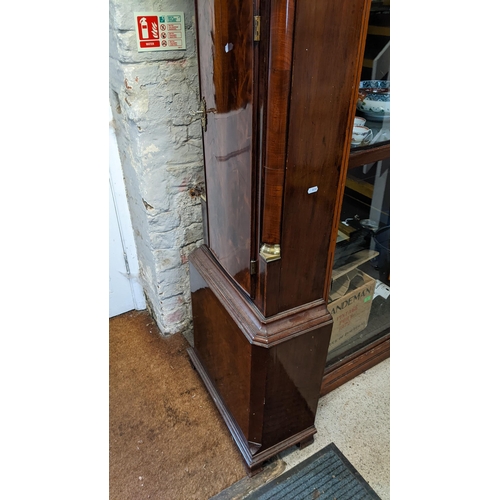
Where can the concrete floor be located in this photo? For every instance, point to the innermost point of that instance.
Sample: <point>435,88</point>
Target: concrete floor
<point>356,418</point>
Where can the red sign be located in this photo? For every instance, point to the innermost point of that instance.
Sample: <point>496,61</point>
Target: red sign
<point>148,31</point>
<point>160,31</point>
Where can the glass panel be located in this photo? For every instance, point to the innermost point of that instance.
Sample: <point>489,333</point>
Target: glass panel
<point>360,289</point>
<point>359,298</point>
<point>371,125</point>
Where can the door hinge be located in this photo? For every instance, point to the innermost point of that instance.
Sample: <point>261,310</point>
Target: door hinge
<point>253,267</point>
<point>127,267</point>
<point>203,113</point>
<point>256,28</point>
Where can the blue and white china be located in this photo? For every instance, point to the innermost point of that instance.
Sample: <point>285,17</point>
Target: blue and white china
<point>374,98</point>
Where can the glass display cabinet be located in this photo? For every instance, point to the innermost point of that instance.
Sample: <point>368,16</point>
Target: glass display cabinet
<point>359,298</point>
<point>292,196</point>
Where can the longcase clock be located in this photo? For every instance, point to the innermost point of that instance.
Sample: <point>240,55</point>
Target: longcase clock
<point>278,86</point>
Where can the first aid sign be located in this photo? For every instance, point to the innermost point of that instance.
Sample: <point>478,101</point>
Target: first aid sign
<point>160,31</point>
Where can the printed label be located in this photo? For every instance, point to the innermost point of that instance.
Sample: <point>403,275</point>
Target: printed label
<point>160,31</point>
<point>380,289</point>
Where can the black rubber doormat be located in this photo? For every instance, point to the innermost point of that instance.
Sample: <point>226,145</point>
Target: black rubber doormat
<point>325,475</point>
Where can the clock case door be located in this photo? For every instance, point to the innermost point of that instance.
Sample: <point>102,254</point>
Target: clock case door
<point>279,103</point>
<point>227,72</point>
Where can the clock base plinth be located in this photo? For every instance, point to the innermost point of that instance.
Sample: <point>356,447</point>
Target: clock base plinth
<point>263,374</point>
<point>253,463</point>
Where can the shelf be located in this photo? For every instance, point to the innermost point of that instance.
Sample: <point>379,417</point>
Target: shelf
<point>379,30</point>
<point>369,154</point>
<point>354,261</point>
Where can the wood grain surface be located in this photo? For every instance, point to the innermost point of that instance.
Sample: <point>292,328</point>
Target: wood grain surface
<point>327,56</point>
<point>226,69</point>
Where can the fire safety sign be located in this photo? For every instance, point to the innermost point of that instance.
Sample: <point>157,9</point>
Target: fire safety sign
<point>160,31</point>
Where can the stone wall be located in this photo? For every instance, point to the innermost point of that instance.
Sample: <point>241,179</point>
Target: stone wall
<point>153,97</point>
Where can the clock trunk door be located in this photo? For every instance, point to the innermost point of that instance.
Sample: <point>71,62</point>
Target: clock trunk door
<point>226,68</point>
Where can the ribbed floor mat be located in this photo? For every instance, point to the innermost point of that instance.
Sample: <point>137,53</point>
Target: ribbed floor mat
<point>325,475</point>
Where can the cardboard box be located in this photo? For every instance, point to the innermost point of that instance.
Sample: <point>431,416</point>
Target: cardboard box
<point>350,307</point>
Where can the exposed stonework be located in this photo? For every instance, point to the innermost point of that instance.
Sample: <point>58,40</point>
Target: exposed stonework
<point>154,96</point>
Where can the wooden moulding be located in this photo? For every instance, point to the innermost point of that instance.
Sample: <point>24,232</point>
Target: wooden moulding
<point>258,329</point>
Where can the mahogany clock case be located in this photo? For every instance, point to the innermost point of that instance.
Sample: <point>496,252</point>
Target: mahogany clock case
<point>278,84</point>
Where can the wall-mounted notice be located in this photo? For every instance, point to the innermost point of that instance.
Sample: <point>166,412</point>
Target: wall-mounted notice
<point>160,31</point>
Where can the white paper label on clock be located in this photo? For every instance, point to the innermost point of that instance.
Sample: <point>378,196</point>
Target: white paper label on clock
<point>312,190</point>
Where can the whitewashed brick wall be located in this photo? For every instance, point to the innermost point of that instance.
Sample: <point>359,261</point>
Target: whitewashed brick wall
<point>153,96</point>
